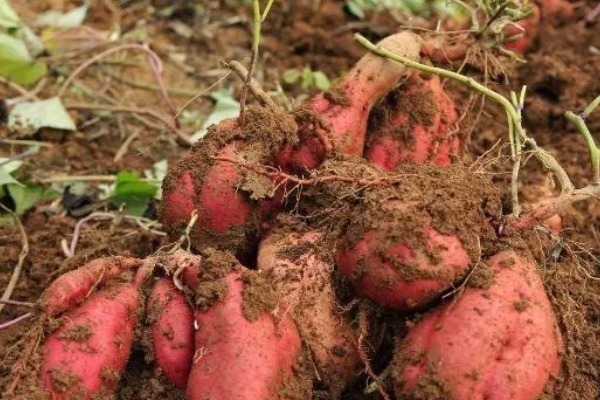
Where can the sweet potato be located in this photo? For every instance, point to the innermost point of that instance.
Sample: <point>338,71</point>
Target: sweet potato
<point>398,275</point>
<point>226,197</point>
<point>520,38</point>
<point>402,245</point>
<point>87,354</point>
<point>340,115</point>
<point>303,280</point>
<point>412,124</point>
<point>556,10</point>
<point>237,358</point>
<point>172,331</point>
<point>545,11</point>
<point>71,288</point>
<point>495,341</point>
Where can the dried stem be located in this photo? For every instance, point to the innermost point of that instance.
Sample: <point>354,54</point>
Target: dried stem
<point>22,256</point>
<point>153,59</point>
<point>254,55</point>
<point>259,18</point>
<point>589,18</point>
<point>87,178</point>
<point>15,321</point>
<point>550,208</point>
<point>183,137</point>
<point>277,175</point>
<point>17,303</point>
<point>253,85</point>
<point>70,250</point>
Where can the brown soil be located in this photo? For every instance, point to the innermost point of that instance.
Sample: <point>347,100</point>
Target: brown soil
<point>562,74</point>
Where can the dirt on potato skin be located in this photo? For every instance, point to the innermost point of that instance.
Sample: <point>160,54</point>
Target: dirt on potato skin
<point>452,199</point>
<point>256,139</point>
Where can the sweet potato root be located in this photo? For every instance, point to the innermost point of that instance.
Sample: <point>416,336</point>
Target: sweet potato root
<point>403,245</point>
<point>398,275</point>
<point>172,331</point>
<point>545,11</point>
<point>226,197</point>
<point>70,289</point>
<point>340,115</point>
<point>498,341</point>
<point>237,358</point>
<point>303,280</point>
<point>87,354</point>
<point>412,124</point>
<point>521,37</point>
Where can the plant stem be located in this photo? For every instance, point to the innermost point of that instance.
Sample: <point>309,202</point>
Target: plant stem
<point>22,256</point>
<point>590,108</point>
<point>267,9</point>
<point>183,137</point>
<point>254,55</point>
<point>254,87</point>
<point>15,321</point>
<point>543,156</point>
<point>88,178</point>
<point>579,122</point>
<point>465,80</point>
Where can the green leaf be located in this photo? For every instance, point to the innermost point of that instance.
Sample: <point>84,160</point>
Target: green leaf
<point>133,192</point>
<point>307,78</point>
<point>6,169</point>
<point>26,196</point>
<point>8,17</point>
<point>225,107</point>
<point>356,8</point>
<point>70,19</point>
<point>16,63</point>
<point>290,76</point>
<point>29,117</point>
<point>321,81</point>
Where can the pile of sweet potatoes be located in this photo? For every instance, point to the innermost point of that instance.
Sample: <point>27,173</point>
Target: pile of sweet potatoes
<point>319,235</point>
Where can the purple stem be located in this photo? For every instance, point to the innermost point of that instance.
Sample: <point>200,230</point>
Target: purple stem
<point>15,321</point>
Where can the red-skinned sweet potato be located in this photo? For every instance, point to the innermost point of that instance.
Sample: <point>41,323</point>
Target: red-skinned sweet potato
<point>87,354</point>
<point>303,280</point>
<point>226,197</point>
<point>71,288</point>
<point>237,358</point>
<point>403,245</point>
<point>556,10</point>
<point>340,115</point>
<point>494,342</point>
<point>398,275</point>
<point>412,125</point>
<point>520,38</point>
<point>172,331</point>
<point>545,11</point>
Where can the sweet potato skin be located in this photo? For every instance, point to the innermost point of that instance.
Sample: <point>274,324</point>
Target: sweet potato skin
<point>71,288</point>
<point>529,29</point>
<point>399,277</point>
<point>239,359</point>
<point>341,114</point>
<point>220,206</point>
<point>413,125</point>
<point>87,354</point>
<point>304,283</point>
<point>172,331</point>
<point>495,343</point>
